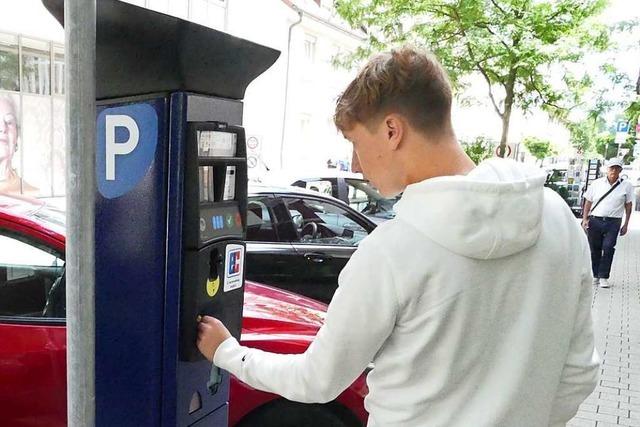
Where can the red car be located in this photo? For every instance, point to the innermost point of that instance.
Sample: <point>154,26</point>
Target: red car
<point>33,333</point>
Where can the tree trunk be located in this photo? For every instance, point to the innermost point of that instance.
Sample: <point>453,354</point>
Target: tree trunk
<point>506,117</point>
<point>505,132</point>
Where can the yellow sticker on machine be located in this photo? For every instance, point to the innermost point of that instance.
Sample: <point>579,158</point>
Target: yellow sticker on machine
<point>212,286</point>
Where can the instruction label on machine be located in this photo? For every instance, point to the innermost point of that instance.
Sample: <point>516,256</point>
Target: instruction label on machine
<point>234,265</point>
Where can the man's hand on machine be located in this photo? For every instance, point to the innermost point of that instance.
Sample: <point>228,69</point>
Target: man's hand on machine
<point>211,333</point>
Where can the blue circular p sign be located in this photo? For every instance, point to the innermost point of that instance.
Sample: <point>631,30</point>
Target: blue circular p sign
<point>127,137</point>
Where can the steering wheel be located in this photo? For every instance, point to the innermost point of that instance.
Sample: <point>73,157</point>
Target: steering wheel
<point>314,230</point>
<point>371,208</point>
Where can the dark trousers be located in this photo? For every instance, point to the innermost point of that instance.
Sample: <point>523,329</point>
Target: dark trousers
<point>603,234</point>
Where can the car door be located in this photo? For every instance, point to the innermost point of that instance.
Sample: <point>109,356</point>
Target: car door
<point>327,234</point>
<point>270,255</point>
<point>32,332</point>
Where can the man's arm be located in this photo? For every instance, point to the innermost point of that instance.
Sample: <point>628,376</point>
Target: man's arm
<point>585,213</point>
<point>361,316</point>
<point>627,217</point>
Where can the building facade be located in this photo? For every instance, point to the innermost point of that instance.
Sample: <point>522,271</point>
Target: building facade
<point>288,110</point>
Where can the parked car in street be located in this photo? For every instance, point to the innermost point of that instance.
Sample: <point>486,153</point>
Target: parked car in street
<point>33,333</point>
<point>349,187</point>
<point>356,191</point>
<point>299,240</point>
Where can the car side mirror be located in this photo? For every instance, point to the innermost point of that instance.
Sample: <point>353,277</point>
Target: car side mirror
<point>348,233</point>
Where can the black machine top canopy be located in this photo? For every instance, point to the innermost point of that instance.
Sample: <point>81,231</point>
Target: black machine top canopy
<point>139,51</point>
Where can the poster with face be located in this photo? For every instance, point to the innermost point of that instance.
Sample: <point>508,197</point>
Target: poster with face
<point>11,181</point>
<point>32,145</point>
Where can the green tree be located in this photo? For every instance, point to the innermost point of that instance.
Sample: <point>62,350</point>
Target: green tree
<point>591,135</point>
<point>632,113</point>
<point>479,149</point>
<point>525,50</point>
<point>583,136</point>
<point>539,148</point>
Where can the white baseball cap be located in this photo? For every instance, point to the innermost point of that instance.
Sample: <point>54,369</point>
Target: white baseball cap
<point>614,162</point>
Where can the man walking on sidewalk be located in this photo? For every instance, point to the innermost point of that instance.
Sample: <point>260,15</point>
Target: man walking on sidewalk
<point>605,202</point>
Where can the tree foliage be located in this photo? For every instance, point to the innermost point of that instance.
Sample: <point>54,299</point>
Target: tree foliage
<point>524,50</point>
<point>479,149</point>
<point>539,148</point>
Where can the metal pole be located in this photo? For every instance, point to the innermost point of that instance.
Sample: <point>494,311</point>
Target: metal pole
<point>80,59</point>
<point>286,84</point>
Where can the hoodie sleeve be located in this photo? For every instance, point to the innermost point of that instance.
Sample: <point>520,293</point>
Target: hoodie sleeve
<point>360,317</point>
<point>582,369</point>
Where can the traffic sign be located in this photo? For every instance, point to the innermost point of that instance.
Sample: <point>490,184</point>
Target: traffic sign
<point>622,127</point>
<point>507,151</point>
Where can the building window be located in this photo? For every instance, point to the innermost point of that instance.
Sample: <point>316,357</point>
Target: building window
<point>310,48</point>
<point>58,70</point>
<point>158,5</point>
<point>9,63</point>
<point>36,67</point>
<point>211,13</point>
<point>179,8</point>
<point>305,128</point>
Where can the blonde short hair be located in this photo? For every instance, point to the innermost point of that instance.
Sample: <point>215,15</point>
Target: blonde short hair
<point>405,81</point>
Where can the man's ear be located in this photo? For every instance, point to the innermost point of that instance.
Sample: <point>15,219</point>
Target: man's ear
<point>394,128</point>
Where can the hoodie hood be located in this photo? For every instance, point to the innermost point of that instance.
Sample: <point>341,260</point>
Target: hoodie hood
<point>495,211</point>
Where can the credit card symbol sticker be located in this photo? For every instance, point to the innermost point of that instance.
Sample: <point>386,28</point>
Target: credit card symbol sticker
<point>235,260</point>
<point>234,264</point>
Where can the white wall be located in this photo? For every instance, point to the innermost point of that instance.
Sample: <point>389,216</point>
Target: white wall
<point>30,18</point>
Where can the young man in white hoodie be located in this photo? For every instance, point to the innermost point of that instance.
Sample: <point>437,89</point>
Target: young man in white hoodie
<point>473,303</point>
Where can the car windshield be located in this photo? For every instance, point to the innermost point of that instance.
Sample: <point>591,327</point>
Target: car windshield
<point>365,198</point>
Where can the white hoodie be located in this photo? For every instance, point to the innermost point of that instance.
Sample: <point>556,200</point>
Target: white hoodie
<point>473,303</point>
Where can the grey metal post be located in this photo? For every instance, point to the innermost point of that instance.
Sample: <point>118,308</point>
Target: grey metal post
<point>80,59</point>
<point>286,84</point>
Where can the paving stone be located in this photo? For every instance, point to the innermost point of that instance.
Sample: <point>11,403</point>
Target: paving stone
<point>613,411</point>
<point>581,422</point>
<point>616,315</point>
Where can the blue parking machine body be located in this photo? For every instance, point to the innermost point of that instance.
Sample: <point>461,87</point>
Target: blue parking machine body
<point>170,211</point>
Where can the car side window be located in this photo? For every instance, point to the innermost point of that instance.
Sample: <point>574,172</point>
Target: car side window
<point>28,273</point>
<point>260,224</point>
<point>324,186</point>
<point>358,199</point>
<point>324,223</point>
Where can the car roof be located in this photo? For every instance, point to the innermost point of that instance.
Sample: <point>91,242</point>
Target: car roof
<point>287,177</point>
<point>255,189</point>
<point>329,173</point>
<point>33,213</point>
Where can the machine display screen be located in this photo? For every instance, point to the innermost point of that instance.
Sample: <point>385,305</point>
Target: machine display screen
<point>213,143</point>
<point>219,221</point>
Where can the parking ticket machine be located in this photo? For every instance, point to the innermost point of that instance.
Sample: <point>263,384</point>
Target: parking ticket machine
<point>170,211</point>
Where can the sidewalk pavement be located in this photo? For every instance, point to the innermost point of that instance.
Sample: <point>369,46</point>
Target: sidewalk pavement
<point>616,315</point>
